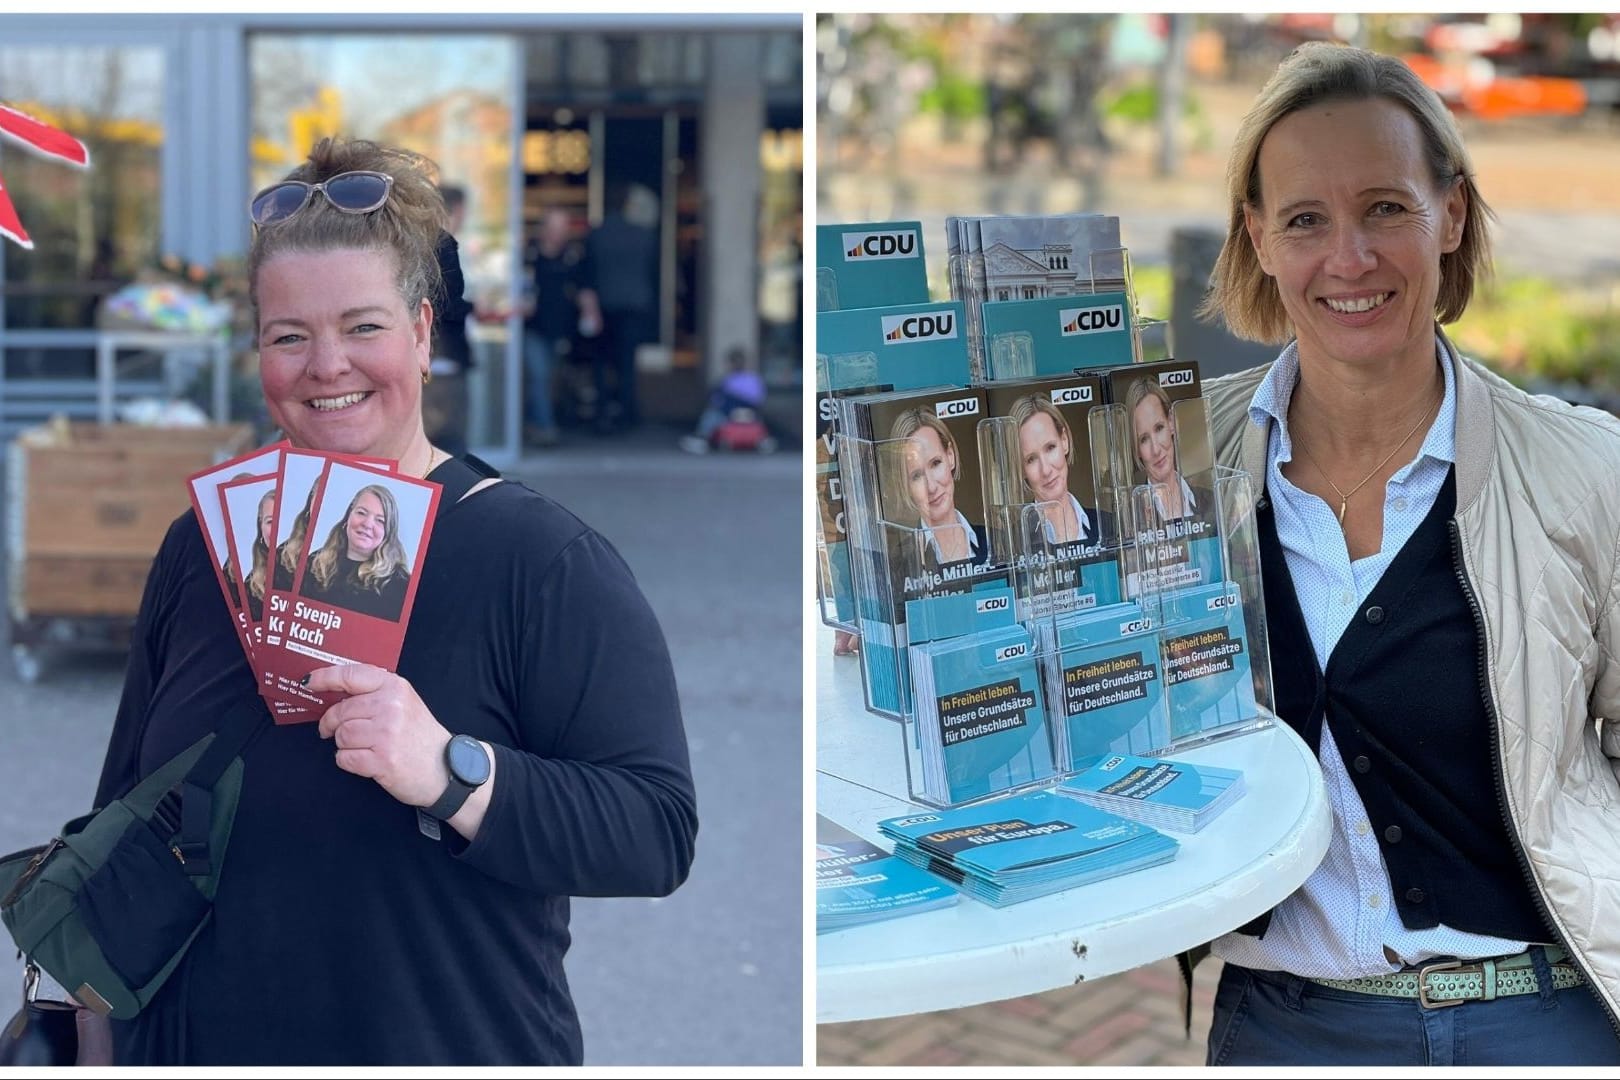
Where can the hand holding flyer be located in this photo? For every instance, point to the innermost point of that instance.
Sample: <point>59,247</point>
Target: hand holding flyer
<point>317,556</point>
<point>351,595</point>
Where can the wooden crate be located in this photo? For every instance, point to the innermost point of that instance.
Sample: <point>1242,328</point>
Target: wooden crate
<point>88,507</point>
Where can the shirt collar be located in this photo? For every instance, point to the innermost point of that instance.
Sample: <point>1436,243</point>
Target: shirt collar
<point>1276,390</point>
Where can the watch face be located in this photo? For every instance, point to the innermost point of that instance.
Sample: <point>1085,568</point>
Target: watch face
<point>467,760</point>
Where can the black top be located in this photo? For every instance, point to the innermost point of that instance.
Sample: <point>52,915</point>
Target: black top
<point>450,307</point>
<point>557,281</point>
<point>1404,697</point>
<point>348,591</point>
<point>624,265</point>
<point>342,935</point>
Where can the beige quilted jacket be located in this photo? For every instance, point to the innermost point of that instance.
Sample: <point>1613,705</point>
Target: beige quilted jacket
<point>1538,520</point>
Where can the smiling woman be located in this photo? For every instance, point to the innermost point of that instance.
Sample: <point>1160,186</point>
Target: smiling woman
<point>1439,562</point>
<point>362,565</point>
<point>399,876</point>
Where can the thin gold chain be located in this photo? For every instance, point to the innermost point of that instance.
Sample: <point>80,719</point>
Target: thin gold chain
<point>1344,496</point>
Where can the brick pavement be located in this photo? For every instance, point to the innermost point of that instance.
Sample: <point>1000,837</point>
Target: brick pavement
<point>1129,1019</point>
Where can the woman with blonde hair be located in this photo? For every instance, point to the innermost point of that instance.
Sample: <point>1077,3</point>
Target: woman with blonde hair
<point>362,566</point>
<point>1046,454</point>
<point>264,518</point>
<point>399,874</point>
<point>926,468</point>
<point>1440,573</point>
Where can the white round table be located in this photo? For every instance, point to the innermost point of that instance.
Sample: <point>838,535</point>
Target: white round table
<point>1241,864</point>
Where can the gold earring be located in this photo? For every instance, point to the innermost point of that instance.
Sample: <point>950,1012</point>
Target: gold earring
<point>427,376</point>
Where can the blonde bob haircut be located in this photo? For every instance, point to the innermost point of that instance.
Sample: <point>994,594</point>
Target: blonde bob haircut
<point>893,459</point>
<point>1314,74</point>
<point>1025,409</point>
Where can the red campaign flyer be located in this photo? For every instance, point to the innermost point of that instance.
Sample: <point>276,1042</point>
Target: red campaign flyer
<point>353,588</point>
<point>205,503</point>
<point>296,488</point>
<point>249,511</point>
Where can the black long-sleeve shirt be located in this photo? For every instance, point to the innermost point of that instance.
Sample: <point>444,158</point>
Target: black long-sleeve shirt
<point>340,934</point>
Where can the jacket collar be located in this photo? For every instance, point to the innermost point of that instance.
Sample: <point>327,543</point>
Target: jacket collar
<point>1476,426</point>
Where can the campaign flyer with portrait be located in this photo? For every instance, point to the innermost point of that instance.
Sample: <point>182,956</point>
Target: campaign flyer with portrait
<point>1067,536</point>
<point>930,491</point>
<point>1164,453</point>
<point>318,557</point>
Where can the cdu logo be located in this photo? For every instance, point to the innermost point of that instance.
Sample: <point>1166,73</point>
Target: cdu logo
<point>904,329</point>
<point>1011,652</point>
<point>1111,764</point>
<point>1071,395</point>
<point>968,406</point>
<point>1221,602</point>
<point>869,247</point>
<point>1091,320</point>
<point>921,819</point>
<point>1135,626</point>
<point>1179,377</point>
<point>992,603</point>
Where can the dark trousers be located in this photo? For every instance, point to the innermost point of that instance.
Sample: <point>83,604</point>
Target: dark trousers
<point>1271,1018</point>
<point>623,332</point>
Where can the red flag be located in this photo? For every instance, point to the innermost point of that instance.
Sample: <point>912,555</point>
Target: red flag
<point>10,227</point>
<point>42,137</point>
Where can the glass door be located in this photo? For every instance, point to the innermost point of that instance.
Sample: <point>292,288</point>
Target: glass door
<point>452,98</point>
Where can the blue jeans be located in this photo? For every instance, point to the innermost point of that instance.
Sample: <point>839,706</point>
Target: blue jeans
<point>1271,1018</point>
<point>539,354</point>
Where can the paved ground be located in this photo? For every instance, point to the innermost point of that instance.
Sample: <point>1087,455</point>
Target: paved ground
<point>712,975</point>
<point>1129,1019</point>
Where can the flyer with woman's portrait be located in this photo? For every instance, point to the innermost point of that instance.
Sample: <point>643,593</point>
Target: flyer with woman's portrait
<point>1164,448</point>
<point>203,487</point>
<point>355,580</point>
<point>1067,537</point>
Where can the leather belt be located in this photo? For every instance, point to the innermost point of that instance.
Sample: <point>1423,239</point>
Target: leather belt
<point>1452,982</point>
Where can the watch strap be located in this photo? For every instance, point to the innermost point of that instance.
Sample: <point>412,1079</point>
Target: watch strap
<point>455,794</point>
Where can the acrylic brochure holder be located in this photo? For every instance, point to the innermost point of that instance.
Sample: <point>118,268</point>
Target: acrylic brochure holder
<point>1149,640</point>
<point>835,590</point>
<point>1012,354</point>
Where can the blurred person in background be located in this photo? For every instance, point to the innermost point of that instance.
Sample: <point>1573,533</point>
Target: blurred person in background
<point>562,303</point>
<point>623,255</point>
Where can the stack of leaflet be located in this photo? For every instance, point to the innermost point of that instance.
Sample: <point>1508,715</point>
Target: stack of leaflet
<point>1024,846</point>
<point>981,724</point>
<point>1104,683</point>
<point>1160,792</point>
<point>1016,257</point>
<point>1204,649</point>
<point>858,882</point>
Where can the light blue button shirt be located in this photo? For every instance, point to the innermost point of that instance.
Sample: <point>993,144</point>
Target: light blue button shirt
<point>1336,925</point>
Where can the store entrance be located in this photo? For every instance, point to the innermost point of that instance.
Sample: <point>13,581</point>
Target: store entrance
<point>639,162</point>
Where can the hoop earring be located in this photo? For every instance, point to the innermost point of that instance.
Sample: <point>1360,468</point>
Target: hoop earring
<point>427,376</point>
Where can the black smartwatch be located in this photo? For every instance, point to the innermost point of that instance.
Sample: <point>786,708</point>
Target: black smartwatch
<point>468,763</point>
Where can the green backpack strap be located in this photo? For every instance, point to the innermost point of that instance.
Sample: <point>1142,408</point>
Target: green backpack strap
<point>188,807</point>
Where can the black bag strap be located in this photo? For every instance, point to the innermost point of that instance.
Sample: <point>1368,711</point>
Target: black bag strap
<point>460,475</point>
<point>188,807</point>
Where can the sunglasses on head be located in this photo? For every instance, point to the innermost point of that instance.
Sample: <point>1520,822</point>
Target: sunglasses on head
<point>356,192</point>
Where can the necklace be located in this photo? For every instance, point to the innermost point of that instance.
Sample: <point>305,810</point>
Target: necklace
<point>432,459</point>
<point>1344,496</point>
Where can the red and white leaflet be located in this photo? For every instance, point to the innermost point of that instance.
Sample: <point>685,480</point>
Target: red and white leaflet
<point>296,487</point>
<point>354,586</point>
<point>205,503</point>
<point>239,503</point>
<point>249,509</point>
